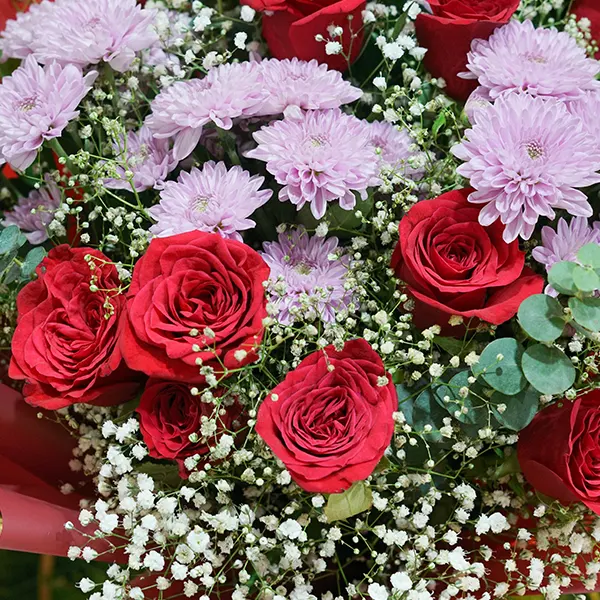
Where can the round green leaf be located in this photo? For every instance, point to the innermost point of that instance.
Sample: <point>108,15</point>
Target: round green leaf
<point>477,409</point>
<point>586,311</point>
<point>589,255</point>
<point>503,375</point>
<point>542,317</point>
<point>561,278</point>
<point>548,369</point>
<point>520,409</point>
<point>11,239</point>
<point>586,279</point>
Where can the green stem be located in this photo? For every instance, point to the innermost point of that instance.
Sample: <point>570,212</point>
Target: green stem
<point>61,152</point>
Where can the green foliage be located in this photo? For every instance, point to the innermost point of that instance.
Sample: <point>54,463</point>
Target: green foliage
<point>353,501</point>
<point>542,318</point>
<point>586,312</point>
<point>585,279</point>
<point>423,410</point>
<point>11,239</point>
<point>477,409</point>
<point>548,369</point>
<point>500,366</point>
<point>34,257</point>
<point>520,409</point>
<point>589,255</point>
<point>561,278</point>
<point>12,268</point>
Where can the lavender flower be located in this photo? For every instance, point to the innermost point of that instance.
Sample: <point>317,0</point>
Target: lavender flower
<point>211,199</point>
<point>525,157</point>
<point>149,159</point>
<point>541,62</point>
<point>587,108</point>
<point>319,157</point>
<point>305,85</point>
<point>307,277</point>
<point>564,243</point>
<point>226,93</point>
<point>36,104</point>
<point>81,33</point>
<point>33,213</point>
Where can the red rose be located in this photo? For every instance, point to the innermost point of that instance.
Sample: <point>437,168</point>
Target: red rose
<point>589,9</point>
<point>290,27</point>
<point>196,300</point>
<point>330,420</point>
<point>559,452</point>
<point>448,32</point>
<point>452,265</point>
<point>170,414</point>
<point>65,343</point>
<point>10,8</point>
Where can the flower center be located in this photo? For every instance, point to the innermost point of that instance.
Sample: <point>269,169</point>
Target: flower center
<point>303,268</point>
<point>534,149</point>
<point>535,58</point>
<point>201,203</point>
<point>317,141</point>
<point>27,104</point>
<point>91,24</point>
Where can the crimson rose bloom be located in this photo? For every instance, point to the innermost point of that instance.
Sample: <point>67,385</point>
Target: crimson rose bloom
<point>65,343</point>
<point>589,9</point>
<point>559,452</point>
<point>448,32</point>
<point>196,299</point>
<point>169,414</point>
<point>452,265</point>
<point>330,420</point>
<point>291,28</point>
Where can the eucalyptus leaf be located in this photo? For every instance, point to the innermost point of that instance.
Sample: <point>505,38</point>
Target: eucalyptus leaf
<point>586,279</point>
<point>520,409</point>
<point>548,369</point>
<point>477,409</point>
<point>586,311</point>
<point>589,255</point>
<point>542,317</point>
<point>561,278</point>
<point>353,501</point>
<point>425,410</point>
<point>500,366</point>
<point>34,257</point>
<point>11,239</point>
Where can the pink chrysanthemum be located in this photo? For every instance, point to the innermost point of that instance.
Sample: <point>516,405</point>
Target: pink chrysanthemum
<point>36,104</point>
<point>564,243</point>
<point>212,199</point>
<point>396,149</point>
<point>228,92</point>
<point>308,276</point>
<point>319,157</point>
<point>81,33</point>
<point>33,213</point>
<point>149,159</point>
<point>478,100</point>
<point>525,156</point>
<point>587,108</point>
<point>541,62</point>
<point>306,85</point>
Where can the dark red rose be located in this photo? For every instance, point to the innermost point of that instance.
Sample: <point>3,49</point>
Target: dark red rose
<point>196,300</point>
<point>559,452</point>
<point>65,343</point>
<point>10,8</point>
<point>452,265</point>
<point>290,27</point>
<point>170,414</point>
<point>330,420</point>
<point>589,9</point>
<point>447,34</point>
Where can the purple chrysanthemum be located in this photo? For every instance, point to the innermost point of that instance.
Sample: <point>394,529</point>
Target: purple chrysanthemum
<point>306,85</point>
<point>228,92</point>
<point>396,149</point>
<point>307,276</point>
<point>319,157</point>
<point>587,108</point>
<point>525,156</point>
<point>541,62</point>
<point>36,104</point>
<point>212,199</point>
<point>149,159</point>
<point>81,33</point>
<point>564,243</point>
<point>478,100</point>
<point>33,213</point>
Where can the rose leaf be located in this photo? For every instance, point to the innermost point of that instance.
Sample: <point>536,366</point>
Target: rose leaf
<point>353,501</point>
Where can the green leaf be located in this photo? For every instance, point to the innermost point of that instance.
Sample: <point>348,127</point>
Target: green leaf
<point>438,123</point>
<point>477,409</point>
<point>453,346</point>
<point>589,255</point>
<point>352,502</point>
<point>167,473</point>
<point>548,369</point>
<point>542,317</point>
<point>520,409</point>
<point>425,410</point>
<point>561,278</point>
<point>503,375</point>
<point>510,466</point>
<point>586,311</point>
<point>34,257</point>
<point>11,239</point>
<point>586,279</point>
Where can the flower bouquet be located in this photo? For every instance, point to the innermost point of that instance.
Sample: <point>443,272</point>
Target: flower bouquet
<point>300,300</point>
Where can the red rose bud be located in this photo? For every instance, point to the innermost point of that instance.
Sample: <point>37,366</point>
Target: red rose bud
<point>452,265</point>
<point>559,452</point>
<point>589,9</point>
<point>196,300</point>
<point>447,34</point>
<point>65,343</point>
<point>290,27</point>
<point>330,420</point>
